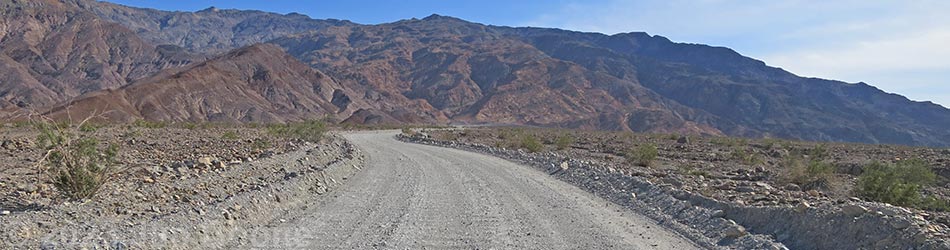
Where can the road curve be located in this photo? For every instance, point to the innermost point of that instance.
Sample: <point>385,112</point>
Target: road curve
<point>414,196</point>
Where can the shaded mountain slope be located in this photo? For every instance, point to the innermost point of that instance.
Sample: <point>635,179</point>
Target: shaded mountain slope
<point>442,69</point>
<point>766,100</point>
<point>258,83</point>
<point>51,51</point>
<point>208,31</point>
<point>471,74</point>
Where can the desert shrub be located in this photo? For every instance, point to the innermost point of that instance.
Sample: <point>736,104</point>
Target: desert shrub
<point>189,125</point>
<point>261,144</point>
<point>746,155</point>
<point>447,135</point>
<point>644,155</point>
<point>530,143</point>
<point>22,124</point>
<point>311,130</point>
<point>230,135</point>
<point>809,173</point>
<point>78,164</point>
<point>933,203</point>
<point>563,141</point>
<point>673,137</point>
<point>691,170</point>
<point>898,183</point>
<point>819,152</point>
<point>729,141</point>
<point>149,124</point>
<point>89,127</point>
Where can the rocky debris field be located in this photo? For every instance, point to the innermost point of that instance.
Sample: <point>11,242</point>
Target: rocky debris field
<point>703,184</point>
<point>175,188</point>
<point>145,155</point>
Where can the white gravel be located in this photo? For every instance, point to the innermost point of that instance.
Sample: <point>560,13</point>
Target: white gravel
<point>413,196</point>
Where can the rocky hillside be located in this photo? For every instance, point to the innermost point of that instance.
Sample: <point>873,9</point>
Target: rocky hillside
<point>50,51</point>
<point>258,83</point>
<point>760,100</point>
<point>208,31</point>
<point>472,74</point>
<point>442,69</point>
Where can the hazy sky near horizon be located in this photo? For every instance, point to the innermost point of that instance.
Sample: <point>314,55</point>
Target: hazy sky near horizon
<point>899,46</point>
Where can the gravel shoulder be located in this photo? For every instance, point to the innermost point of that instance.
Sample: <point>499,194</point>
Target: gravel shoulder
<point>183,204</point>
<point>413,196</point>
<point>720,202</point>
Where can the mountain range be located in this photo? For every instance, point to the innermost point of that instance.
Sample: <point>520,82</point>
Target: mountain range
<point>71,58</point>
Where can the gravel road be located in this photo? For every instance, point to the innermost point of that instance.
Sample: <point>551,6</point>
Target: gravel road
<point>414,196</point>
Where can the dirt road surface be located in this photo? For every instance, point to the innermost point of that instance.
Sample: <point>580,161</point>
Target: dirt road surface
<point>413,196</point>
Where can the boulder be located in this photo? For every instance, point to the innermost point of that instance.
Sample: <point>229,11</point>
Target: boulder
<point>206,161</point>
<point>683,140</point>
<point>733,231</point>
<point>802,207</point>
<point>853,210</point>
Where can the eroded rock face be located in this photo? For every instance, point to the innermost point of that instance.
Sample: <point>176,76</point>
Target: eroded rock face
<point>636,82</point>
<point>209,31</point>
<point>258,83</point>
<point>471,73</point>
<point>442,69</point>
<point>51,51</point>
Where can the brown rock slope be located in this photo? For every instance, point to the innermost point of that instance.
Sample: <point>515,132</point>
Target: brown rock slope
<point>258,83</point>
<point>631,81</point>
<point>51,51</point>
<point>443,69</point>
<point>208,31</point>
<point>471,74</point>
<point>760,100</point>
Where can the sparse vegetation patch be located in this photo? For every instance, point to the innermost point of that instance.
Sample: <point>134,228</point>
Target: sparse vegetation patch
<point>78,164</point>
<point>531,143</point>
<point>644,155</point>
<point>900,184</point>
<point>230,135</point>
<point>312,130</point>
<point>809,173</point>
<point>563,141</point>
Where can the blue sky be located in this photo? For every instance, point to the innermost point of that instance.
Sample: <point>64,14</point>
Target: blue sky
<point>898,46</point>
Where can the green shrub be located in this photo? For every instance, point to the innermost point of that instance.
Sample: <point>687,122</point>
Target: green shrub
<point>691,170</point>
<point>809,174</point>
<point>312,130</point>
<point>189,125</point>
<point>746,156</point>
<point>88,127</point>
<point>935,204</point>
<point>819,152</point>
<point>149,124</point>
<point>447,135</point>
<point>261,144</point>
<point>898,183</point>
<point>729,141</point>
<point>530,143</point>
<point>230,135</point>
<point>563,141</point>
<point>673,137</point>
<point>22,124</point>
<point>77,163</point>
<point>644,155</point>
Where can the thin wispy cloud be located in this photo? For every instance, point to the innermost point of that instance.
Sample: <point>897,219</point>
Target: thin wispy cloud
<point>898,46</point>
